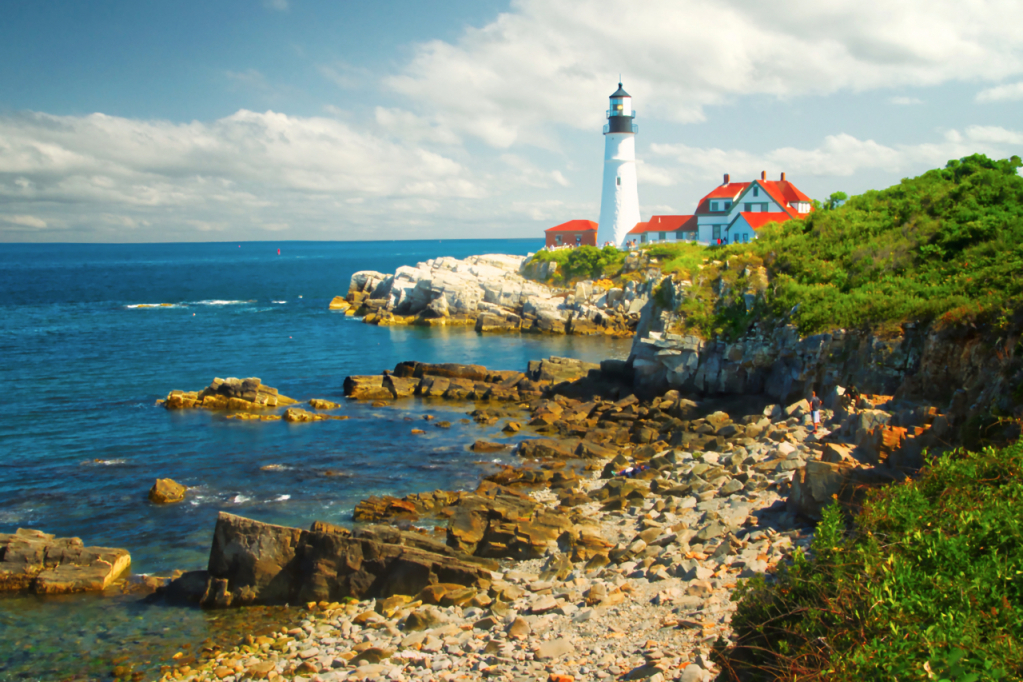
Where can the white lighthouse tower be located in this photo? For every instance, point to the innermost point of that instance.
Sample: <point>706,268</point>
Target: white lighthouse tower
<point>619,200</point>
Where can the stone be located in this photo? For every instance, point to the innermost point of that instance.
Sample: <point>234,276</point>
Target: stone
<point>339,303</point>
<point>38,562</point>
<point>692,673</point>
<point>555,648</point>
<point>488,446</point>
<point>544,604</point>
<point>519,628</point>
<point>258,563</point>
<point>320,404</point>
<point>367,388</point>
<point>166,491</point>
<point>372,655</point>
<point>836,453</point>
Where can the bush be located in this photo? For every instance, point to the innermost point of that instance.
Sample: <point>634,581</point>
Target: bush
<point>583,262</point>
<point>929,586</point>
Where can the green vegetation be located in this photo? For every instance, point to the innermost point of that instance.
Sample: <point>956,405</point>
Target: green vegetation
<point>584,262</point>
<point>947,246</point>
<point>929,586</point>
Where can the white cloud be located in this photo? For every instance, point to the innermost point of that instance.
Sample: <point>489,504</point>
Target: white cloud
<point>1002,93</point>
<point>906,101</point>
<point>840,155</point>
<point>548,61</point>
<point>248,169</point>
<point>25,221</point>
<point>279,5</point>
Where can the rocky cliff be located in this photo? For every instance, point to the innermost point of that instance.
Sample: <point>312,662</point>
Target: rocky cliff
<point>959,367</point>
<point>491,293</point>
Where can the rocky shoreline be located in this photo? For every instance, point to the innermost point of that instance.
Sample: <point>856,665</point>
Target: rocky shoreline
<point>495,293</point>
<point>611,551</point>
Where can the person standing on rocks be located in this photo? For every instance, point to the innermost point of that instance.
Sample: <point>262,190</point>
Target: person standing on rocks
<point>815,410</point>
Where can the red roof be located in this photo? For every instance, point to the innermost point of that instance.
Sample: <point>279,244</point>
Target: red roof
<point>782,191</point>
<point>758,220</point>
<point>665,223</point>
<point>574,226</point>
<point>729,191</point>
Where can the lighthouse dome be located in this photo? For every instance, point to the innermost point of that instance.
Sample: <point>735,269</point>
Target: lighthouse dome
<point>620,92</point>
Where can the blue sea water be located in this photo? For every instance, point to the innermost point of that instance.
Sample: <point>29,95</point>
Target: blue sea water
<point>92,335</point>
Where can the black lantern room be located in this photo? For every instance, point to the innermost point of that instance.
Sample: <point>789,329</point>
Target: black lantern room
<point>620,115</point>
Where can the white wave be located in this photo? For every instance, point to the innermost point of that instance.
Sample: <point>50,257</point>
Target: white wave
<point>279,302</point>
<point>219,302</point>
<point>239,499</point>
<point>275,467</point>
<point>105,462</point>
<point>282,498</point>
<point>134,306</point>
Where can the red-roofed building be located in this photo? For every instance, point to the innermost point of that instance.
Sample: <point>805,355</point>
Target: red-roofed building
<point>572,233</point>
<point>730,213</point>
<point>661,228</point>
<point>734,211</point>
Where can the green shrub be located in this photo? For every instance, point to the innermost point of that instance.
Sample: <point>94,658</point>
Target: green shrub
<point>929,586</point>
<point>582,262</point>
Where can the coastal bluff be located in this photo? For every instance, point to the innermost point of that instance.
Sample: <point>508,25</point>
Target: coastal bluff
<point>41,563</point>
<point>492,292</point>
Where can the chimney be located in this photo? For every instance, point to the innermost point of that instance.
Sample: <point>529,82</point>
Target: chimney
<point>763,175</point>
<point>783,176</point>
<point>726,179</point>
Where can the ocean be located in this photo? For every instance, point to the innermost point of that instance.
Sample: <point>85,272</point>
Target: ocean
<point>92,335</point>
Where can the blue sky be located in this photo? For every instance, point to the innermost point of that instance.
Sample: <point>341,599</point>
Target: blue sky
<point>294,119</point>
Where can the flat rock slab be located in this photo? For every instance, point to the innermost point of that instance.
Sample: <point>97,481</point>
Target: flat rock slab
<point>33,561</point>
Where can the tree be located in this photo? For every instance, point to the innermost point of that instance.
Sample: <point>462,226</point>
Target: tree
<point>835,200</point>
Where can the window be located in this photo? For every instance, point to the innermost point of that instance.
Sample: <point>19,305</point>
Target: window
<point>716,233</point>
<point>713,205</point>
<point>745,237</point>
<point>756,191</point>
<point>618,181</point>
<point>642,238</point>
<point>662,236</point>
<point>578,239</point>
<point>747,207</point>
<point>728,205</point>
<point>557,239</point>
<point>763,207</point>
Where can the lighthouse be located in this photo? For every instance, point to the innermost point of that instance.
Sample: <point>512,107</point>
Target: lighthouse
<point>619,200</point>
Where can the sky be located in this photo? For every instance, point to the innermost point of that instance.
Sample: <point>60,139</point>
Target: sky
<point>150,121</point>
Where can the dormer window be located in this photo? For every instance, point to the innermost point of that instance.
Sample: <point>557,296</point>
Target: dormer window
<point>728,205</point>
<point>713,205</point>
<point>756,191</point>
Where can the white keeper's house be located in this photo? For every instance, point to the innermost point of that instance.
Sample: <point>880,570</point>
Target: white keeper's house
<point>729,214</point>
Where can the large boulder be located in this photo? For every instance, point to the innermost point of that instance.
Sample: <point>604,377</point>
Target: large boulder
<point>228,394</point>
<point>367,388</point>
<point>166,491</point>
<point>259,563</point>
<point>33,561</point>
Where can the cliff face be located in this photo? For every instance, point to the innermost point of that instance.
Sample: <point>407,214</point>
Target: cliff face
<point>957,367</point>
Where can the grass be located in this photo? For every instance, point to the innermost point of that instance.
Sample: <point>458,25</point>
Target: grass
<point>928,586</point>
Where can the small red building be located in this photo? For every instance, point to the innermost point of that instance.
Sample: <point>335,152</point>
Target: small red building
<point>572,233</point>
